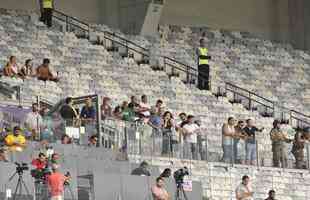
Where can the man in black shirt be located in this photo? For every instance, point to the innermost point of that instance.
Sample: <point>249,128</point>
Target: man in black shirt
<point>251,130</point>
<point>68,113</point>
<point>142,170</point>
<point>271,195</point>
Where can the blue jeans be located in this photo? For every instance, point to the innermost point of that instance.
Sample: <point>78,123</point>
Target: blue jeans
<point>250,152</point>
<point>227,153</point>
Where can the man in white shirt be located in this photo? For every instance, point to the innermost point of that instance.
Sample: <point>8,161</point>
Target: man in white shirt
<point>244,190</point>
<point>33,121</point>
<point>144,107</point>
<point>190,138</point>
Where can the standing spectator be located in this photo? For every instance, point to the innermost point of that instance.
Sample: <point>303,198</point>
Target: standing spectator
<point>228,133</point>
<point>142,170</point>
<point>15,141</point>
<point>88,113</point>
<point>239,143</point>
<point>128,113</point>
<point>167,129</point>
<point>68,112</point>
<point>11,68</point>
<point>183,120</point>
<point>271,195</point>
<point>44,73</point>
<point>244,190</point>
<point>65,139</point>
<point>47,14</point>
<point>190,138</point>
<point>106,109</point>
<point>279,140</point>
<point>93,140</point>
<point>27,70</point>
<point>144,107</point>
<point>34,121</point>
<point>166,173</point>
<point>202,140</point>
<point>56,182</point>
<point>158,106</point>
<point>117,113</point>
<point>39,163</point>
<point>155,122</point>
<point>158,190</point>
<point>301,137</point>
<point>251,130</point>
<point>203,66</point>
<point>134,103</point>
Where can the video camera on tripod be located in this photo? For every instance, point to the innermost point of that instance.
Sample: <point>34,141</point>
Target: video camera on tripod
<point>21,167</point>
<point>179,176</point>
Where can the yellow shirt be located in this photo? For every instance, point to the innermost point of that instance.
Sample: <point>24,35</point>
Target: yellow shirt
<point>15,143</point>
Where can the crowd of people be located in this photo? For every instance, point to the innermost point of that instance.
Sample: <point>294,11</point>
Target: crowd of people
<point>42,72</point>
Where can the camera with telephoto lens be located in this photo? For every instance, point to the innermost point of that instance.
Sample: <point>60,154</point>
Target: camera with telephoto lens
<point>179,175</point>
<point>68,176</point>
<point>21,167</point>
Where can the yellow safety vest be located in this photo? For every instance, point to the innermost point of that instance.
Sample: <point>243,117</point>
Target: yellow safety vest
<point>47,3</point>
<point>203,53</point>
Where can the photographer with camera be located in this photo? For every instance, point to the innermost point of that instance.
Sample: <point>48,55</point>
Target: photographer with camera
<point>158,190</point>
<point>56,182</point>
<point>179,180</point>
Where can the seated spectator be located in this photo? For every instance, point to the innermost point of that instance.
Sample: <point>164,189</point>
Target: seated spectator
<point>93,140</point>
<point>117,113</point>
<point>158,190</point>
<point>190,138</point>
<point>68,112</point>
<point>47,133</point>
<point>142,170</point>
<point>65,139</point>
<point>54,159</point>
<point>251,130</point>
<point>228,133</point>
<point>15,141</point>
<point>88,113</point>
<point>106,110</point>
<point>34,121</point>
<point>155,119</point>
<point>44,73</point>
<point>27,69</point>
<point>301,137</point>
<point>144,107</point>
<point>279,140</point>
<point>128,113</point>
<point>11,68</point>
<point>3,157</point>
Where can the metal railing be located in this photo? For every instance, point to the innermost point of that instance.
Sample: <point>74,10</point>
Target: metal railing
<point>73,24</point>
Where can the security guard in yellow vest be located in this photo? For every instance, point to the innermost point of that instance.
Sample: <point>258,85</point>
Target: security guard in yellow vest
<point>203,66</point>
<point>47,11</point>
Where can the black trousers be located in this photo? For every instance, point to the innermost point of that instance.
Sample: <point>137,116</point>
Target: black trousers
<point>203,77</point>
<point>47,16</point>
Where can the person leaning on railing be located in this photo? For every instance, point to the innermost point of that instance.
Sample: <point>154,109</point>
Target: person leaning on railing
<point>279,140</point>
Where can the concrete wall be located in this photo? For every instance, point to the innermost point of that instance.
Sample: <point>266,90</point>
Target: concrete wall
<point>265,17</point>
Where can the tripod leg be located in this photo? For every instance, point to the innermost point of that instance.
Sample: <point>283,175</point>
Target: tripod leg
<point>15,192</point>
<point>184,194</point>
<point>27,191</point>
